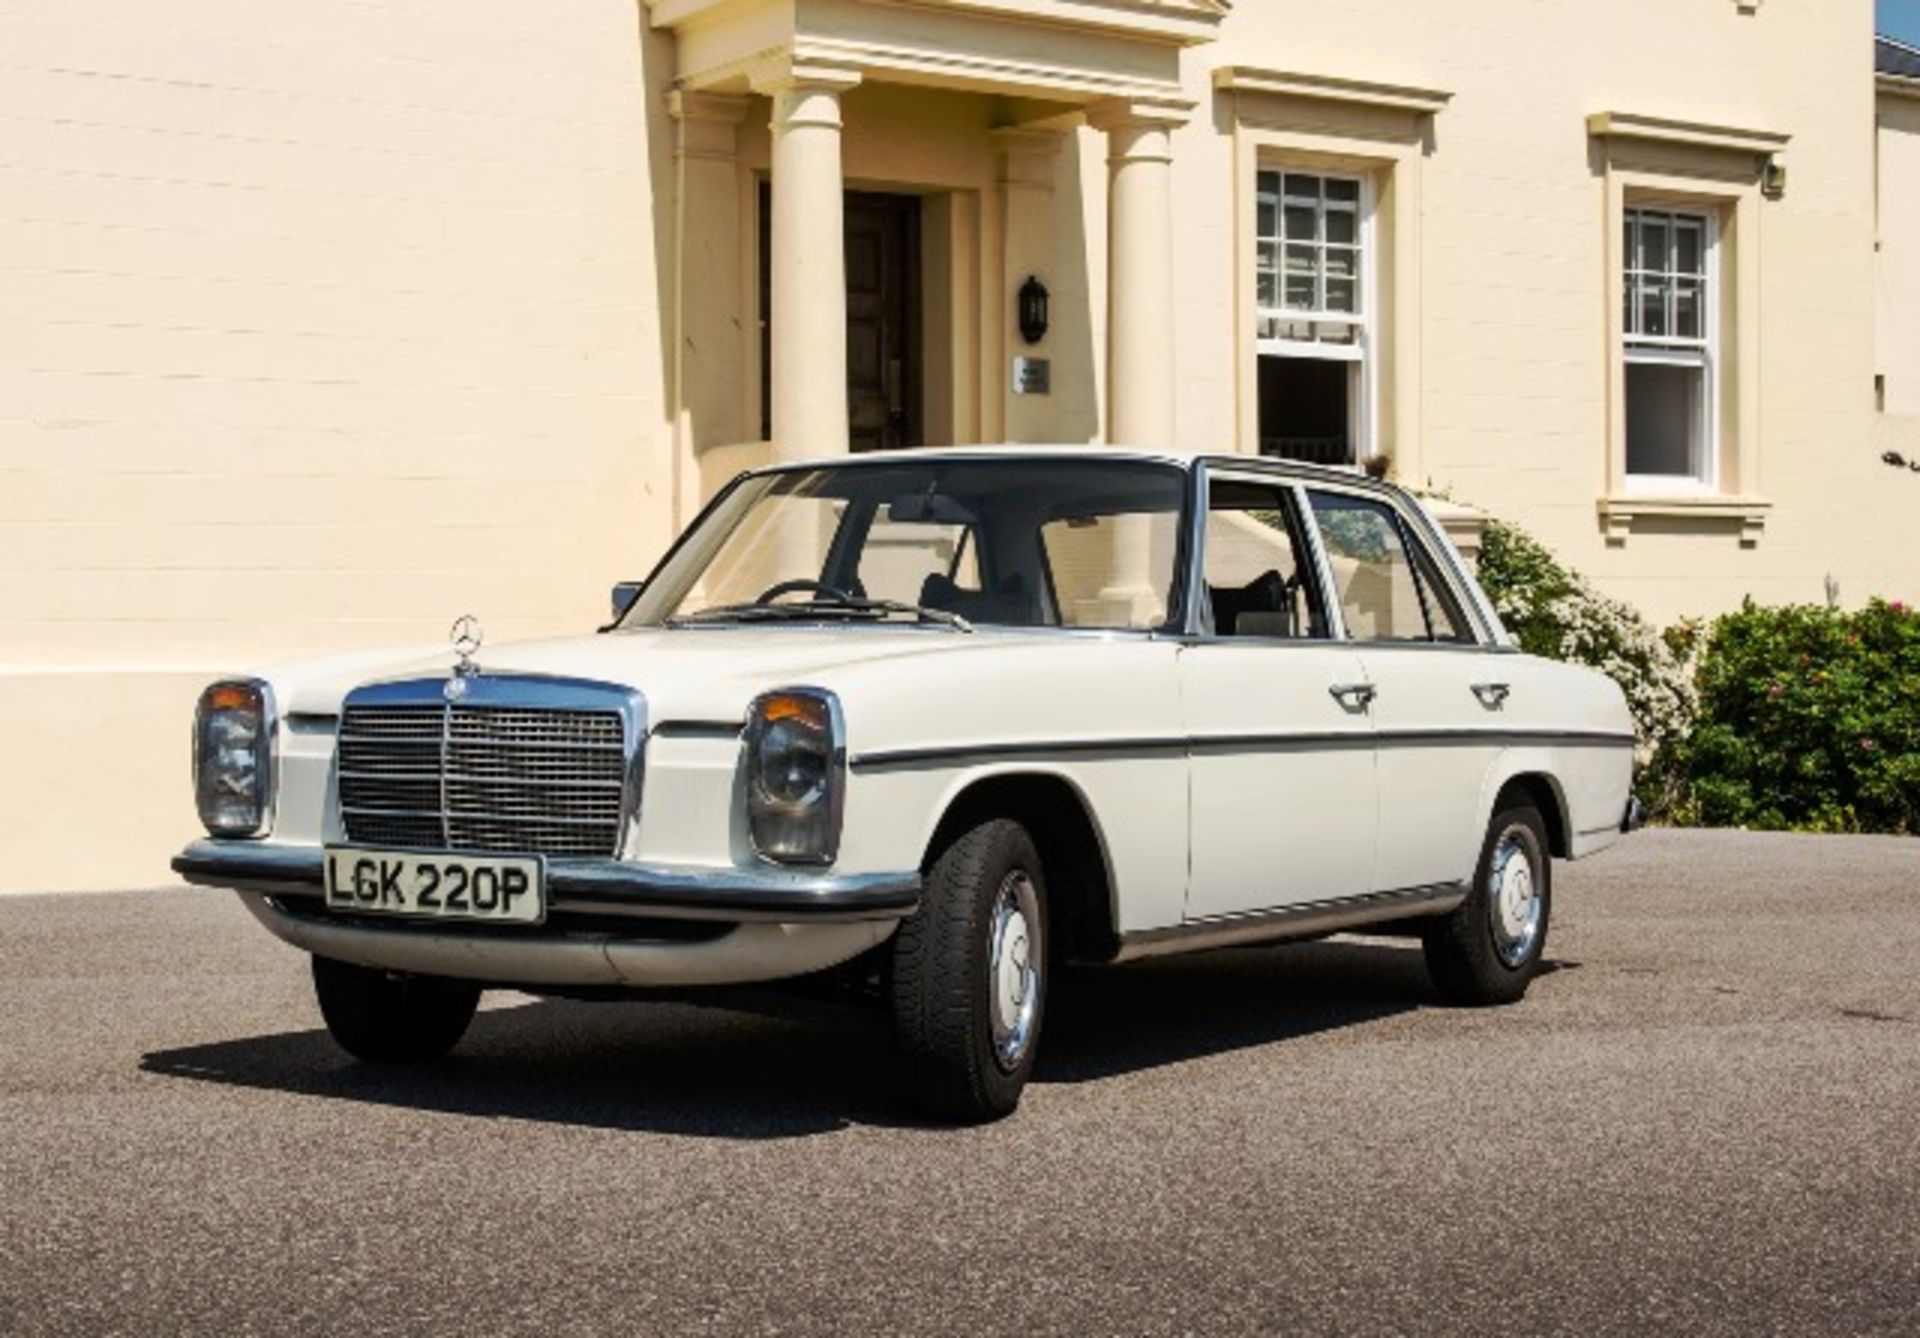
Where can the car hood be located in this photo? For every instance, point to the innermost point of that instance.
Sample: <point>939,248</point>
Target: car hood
<point>707,674</point>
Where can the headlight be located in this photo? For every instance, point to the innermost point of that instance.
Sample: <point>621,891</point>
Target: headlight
<point>233,758</point>
<point>796,776</point>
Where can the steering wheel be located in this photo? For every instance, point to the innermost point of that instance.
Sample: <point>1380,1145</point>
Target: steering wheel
<point>774,592</point>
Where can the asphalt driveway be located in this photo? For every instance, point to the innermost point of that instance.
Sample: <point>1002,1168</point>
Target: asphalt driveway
<point>1706,1118</point>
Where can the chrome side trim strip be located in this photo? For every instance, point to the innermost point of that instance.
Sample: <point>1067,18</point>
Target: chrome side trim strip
<point>600,887</point>
<point>1307,920</point>
<point>909,757</point>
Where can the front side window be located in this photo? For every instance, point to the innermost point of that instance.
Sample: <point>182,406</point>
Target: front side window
<point>1389,586</point>
<point>1311,300</point>
<point>1015,543</point>
<point>1669,353</point>
<point>1259,568</point>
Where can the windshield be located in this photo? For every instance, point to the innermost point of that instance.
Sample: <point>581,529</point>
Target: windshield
<point>1014,543</point>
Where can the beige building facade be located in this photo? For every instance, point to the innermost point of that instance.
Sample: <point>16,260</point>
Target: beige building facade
<point>327,323</point>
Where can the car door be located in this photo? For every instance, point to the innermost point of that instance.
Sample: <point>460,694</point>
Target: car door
<point>1439,696</point>
<point>1282,759</point>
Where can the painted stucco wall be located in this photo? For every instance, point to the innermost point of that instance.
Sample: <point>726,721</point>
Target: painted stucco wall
<point>1897,359</point>
<point>321,324</point>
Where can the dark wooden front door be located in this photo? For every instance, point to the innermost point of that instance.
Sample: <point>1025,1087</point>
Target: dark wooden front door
<point>883,319</point>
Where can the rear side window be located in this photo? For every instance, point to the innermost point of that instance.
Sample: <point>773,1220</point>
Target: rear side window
<point>1389,585</point>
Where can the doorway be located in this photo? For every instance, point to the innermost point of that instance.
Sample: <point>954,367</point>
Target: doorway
<point>884,363</point>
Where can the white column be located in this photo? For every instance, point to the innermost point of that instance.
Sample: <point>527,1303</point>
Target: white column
<point>808,262</point>
<point>1140,334</point>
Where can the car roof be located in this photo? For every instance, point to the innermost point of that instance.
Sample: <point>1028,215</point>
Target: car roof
<point>1092,454</point>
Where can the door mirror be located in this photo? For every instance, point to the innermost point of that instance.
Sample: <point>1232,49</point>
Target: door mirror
<point>624,595</point>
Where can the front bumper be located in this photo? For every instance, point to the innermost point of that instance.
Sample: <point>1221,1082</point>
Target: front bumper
<point>601,887</point>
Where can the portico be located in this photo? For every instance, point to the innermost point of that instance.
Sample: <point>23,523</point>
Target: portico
<point>1000,89</point>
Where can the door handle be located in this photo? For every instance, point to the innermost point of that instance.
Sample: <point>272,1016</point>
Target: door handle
<point>1354,696</point>
<point>1492,695</point>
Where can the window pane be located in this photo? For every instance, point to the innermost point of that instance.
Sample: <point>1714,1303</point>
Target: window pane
<point>1689,249</point>
<point>1688,309</point>
<point>1342,295</point>
<point>1302,268</point>
<point>1342,227</point>
<point>1300,223</point>
<point>1632,326</point>
<point>1267,275</point>
<point>1653,308</point>
<point>1267,216</point>
<point>1653,242</point>
<point>1665,418</point>
<point>1378,593</point>
<point>1348,191</point>
<point>1303,188</point>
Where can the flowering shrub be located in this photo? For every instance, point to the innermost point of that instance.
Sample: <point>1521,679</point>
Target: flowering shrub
<point>1552,611</point>
<point>1809,718</point>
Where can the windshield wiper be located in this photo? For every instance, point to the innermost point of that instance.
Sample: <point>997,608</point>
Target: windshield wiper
<point>851,607</point>
<point>944,617</point>
<point>721,613</point>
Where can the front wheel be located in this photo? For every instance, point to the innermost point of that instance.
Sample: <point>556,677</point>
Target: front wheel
<point>968,980</point>
<point>1489,948</point>
<point>391,1018</point>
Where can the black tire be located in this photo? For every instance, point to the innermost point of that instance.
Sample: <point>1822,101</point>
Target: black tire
<point>941,988</point>
<point>1473,956</point>
<point>386,1017</point>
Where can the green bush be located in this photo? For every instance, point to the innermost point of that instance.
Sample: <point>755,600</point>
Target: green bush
<point>1552,611</point>
<point>1809,719</point>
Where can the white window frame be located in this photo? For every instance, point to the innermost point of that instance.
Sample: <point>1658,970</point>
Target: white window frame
<point>1363,378</point>
<point>1671,350</point>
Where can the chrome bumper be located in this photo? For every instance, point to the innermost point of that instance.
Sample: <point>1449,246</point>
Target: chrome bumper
<point>601,887</point>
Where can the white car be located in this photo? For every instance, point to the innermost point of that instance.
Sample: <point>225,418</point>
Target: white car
<point>939,720</point>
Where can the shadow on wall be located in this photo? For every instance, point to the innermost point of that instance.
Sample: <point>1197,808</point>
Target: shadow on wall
<point>788,1067</point>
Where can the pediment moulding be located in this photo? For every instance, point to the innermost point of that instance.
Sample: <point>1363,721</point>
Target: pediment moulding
<point>1186,22</point>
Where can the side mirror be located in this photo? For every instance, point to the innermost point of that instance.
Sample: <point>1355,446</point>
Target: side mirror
<point>624,595</point>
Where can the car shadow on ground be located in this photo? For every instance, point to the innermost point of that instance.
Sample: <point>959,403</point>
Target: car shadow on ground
<point>752,1066</point>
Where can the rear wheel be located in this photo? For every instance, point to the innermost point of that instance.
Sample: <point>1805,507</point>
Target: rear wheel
<point>1488,950</point>
<point>968,980</point>
<point>392,1018</point>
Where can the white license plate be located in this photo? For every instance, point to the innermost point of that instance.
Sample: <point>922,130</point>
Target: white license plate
<point>494,888</point>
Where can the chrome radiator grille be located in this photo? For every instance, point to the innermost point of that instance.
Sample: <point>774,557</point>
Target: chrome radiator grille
<point>467,776</point>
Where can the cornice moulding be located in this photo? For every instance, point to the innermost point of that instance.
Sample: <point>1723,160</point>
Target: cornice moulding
<point>1896,86</point>
<point>1331,88</point>
<point>1691,134</point>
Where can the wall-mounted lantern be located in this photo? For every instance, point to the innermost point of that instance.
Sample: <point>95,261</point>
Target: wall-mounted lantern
<point>1033,310</point>
<point>1773,177</point>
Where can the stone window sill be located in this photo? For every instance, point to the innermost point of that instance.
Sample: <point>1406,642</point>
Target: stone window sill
<point>1747,516</point>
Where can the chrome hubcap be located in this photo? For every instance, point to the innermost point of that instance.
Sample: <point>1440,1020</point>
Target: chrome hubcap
<point>1513,899</point>
<point>1013,968</point>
